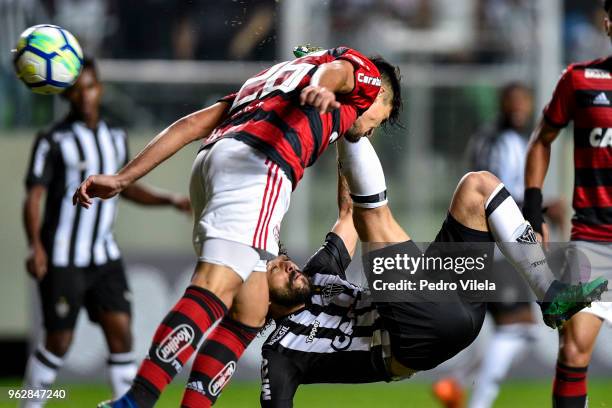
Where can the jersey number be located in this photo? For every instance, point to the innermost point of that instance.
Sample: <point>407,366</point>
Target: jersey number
<point>285,76</point>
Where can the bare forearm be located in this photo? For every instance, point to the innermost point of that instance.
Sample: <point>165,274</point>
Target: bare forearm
<point>184,131</point>
<point>344,226</point>
<point>145,195</point>
<point>31,215</point>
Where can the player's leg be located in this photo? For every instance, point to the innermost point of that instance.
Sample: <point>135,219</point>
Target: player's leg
<point>366,180</point>
<point>576,342</point>
<point>513,335</point>
<point>216,359</point>
<point>176,338</point>
<point>482,200</point>
<point>61,292</point>
<point>108,302</point>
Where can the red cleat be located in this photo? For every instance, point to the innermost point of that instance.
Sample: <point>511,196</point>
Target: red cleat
<point>449,392</point>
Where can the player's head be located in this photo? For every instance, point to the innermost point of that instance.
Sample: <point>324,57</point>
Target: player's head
<point>387,106</point>
<point>84,96</point>
<point>288,286</point>
<point>516,105</point>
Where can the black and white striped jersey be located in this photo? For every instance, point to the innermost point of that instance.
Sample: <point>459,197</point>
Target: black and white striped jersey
<point>337,336</point>
<point>61,159</point>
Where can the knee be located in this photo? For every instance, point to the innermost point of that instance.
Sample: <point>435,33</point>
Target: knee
<point>58,343</point>
<point>574,353</point>
<point>480,183</point>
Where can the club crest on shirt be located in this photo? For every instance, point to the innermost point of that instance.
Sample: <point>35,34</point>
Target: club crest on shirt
<point>331,290</point>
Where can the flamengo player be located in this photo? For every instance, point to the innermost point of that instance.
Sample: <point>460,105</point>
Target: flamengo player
<point>264,137</point>
<point>583,95</point>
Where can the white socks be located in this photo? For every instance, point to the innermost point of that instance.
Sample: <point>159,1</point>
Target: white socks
<point>41,372</point>
<point>508,344</point>
<point>122,370</point>
<point>364,174</point>
<point>517,241</point>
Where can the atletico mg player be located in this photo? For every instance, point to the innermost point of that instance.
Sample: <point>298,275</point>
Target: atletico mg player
<point>257,144</point>
<point>583,95</point>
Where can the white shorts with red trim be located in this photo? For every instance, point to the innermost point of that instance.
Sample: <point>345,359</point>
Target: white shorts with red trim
<point>238,195</point>
<point>597,257</point>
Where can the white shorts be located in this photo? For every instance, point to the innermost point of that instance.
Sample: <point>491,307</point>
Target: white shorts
<point>239,195</point>
<point>599,256</point>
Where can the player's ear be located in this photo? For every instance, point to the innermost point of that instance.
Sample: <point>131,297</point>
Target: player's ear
<point>608,26</point>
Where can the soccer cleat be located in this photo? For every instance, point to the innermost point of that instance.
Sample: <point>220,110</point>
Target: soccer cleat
<point>449,392</point>
<point>123,402</point>
<point>562,301</point>
<point>303,50</point>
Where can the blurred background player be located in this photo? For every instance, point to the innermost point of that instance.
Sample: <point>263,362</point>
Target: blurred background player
<point>73,255</point>
<point>582,95</point>
<point>500,147</point>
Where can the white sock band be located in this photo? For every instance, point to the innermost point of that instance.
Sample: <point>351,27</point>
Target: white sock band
<point>121,370</point>
<point>364,173</point>
<point>516,240</point>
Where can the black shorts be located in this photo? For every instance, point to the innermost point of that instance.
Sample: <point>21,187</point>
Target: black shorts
<point>425,334</point>
<point>101,288</point>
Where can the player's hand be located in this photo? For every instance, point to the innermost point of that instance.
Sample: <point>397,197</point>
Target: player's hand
<point>100,185</point>
<point>36,262</point>
<point>319,97</point>
<point>181,203</point>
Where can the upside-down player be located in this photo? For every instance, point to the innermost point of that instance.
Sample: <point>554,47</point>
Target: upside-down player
<point>330,331</point>
<point>263,137</point>
<point>583,95</point>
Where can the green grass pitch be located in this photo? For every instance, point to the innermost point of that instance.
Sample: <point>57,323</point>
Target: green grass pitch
<point>523,394</point>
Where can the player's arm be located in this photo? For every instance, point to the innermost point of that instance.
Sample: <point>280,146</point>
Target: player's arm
<point>280,378</point>
<point>40,174</point>
<point>36,262</point>
<point>344,227</point>
<point>557,114</point>
<point>142,194</point>
<point>182,132</point>
<point>536,166</point>
<point>331,78</point>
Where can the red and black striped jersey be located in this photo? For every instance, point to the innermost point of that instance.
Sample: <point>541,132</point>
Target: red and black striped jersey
<point>584,95</point>
<point>266,112</point>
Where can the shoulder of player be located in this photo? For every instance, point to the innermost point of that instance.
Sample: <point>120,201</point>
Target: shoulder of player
<point>55,131</point>
<point>600,68</point>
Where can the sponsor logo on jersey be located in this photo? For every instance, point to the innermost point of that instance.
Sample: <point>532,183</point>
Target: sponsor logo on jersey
<point>601,99</point>
<point>313,331</point>
<point>221,379</point>
<point>343,340</point>
<point>197,386</point>
<point>266,392</point>
<point>278,334</point>
<point>600,137</point>
<point>331,290</point>
<point>368,80</point>
<point>178,340</point>
<point>591,73</point>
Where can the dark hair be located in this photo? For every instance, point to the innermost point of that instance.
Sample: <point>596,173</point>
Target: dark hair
<point>608,6</point>
<point>90,63</point>
<point>391,77</point>
<point>514,86</point>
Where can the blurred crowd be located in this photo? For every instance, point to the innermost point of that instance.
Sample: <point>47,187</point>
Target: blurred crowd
<point>432,31</point>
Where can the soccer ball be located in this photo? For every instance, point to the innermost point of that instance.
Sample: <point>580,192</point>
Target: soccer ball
<point>48,59</point>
